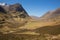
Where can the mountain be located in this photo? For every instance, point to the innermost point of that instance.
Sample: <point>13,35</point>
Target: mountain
<point>52,17</point>
<point>55,14</point>
<point>12,17</point>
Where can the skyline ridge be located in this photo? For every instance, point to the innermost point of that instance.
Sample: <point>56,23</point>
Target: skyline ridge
<point>36,7</point>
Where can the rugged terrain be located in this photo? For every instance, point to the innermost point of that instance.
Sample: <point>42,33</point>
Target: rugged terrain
<point>16,24</point>
<point>12,17</point>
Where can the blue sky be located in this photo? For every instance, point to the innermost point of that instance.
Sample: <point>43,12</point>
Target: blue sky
<point>36,7</point>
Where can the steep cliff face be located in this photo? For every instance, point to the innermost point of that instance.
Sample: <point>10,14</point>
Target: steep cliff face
<point>12,16</point>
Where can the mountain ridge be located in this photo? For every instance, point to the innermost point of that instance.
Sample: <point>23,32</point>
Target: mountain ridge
<point>12,17</point>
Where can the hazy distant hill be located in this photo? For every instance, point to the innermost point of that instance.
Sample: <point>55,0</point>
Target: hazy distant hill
<point>35,18</point>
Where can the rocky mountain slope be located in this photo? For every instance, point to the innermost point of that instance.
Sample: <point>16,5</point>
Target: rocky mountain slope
<point>12,17</point>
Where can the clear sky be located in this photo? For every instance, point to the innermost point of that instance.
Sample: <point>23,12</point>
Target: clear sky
<point>36,7</point>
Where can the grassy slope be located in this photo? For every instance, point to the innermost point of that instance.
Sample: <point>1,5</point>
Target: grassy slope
<point>53,30</point>
<point>37,24</point>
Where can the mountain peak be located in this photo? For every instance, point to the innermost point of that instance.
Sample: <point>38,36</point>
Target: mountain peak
<point>15,15</point>
<point>16,7</point>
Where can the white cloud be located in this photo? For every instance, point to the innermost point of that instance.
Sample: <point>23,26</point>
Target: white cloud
<point>2,4</point>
